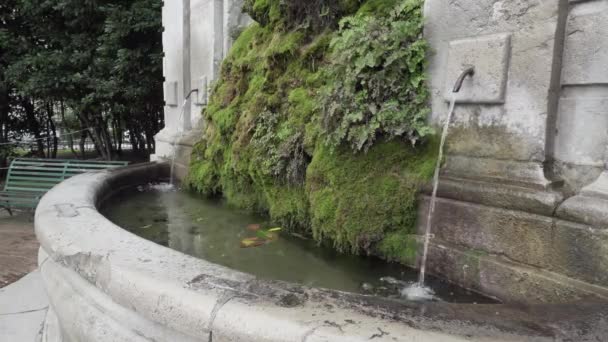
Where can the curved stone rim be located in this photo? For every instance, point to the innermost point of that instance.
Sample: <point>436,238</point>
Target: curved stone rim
<point>106,284</point>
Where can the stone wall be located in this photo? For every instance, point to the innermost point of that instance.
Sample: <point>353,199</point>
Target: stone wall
<point>523,205</point>
<point>197,35</point>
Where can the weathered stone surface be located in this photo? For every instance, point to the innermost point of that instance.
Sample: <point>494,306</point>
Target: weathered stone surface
<point>586,46</point>
<point>580,252</point>
<point>519,236</point>
<point>498,171</point>
<point>105,284</point>
<point>575,176</point>
<point>171,94</point>
<point>563,248</point>
<point>197,37</point>
<point>507,196</point>
<point>490,56</point>
<point>516,130</point>
<point>583,126</point>
<point>513,282</point>
<point>590,206</point>
<point>581,135</point>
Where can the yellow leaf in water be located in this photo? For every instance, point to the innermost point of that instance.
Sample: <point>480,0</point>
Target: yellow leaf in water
<point>252,242</point>
<point>275,229</point>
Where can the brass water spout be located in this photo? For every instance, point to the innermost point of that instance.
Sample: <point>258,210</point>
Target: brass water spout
<point>470,71</point>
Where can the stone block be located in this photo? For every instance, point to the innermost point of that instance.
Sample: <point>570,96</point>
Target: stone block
<point>582,127</point>
<point>507,196</point>
<point>586,46</point>
<point>493,275</point>
<point>203,91</point>
<point>590,206</point>
<point>171,94</point>
<point>563,248</point>
<point>519,236</point>
<point>500,171</point>
<point>490,57</point>
<point>580,252</point>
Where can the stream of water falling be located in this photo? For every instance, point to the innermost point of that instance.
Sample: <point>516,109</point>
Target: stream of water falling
<point>179,122</point>
<point>419,290</point>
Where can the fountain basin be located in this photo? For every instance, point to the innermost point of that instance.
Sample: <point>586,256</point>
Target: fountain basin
<point>106,284</point>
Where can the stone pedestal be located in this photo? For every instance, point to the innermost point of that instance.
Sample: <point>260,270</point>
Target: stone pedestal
<point>590,206</point>
<point>197,35</point>
<point>176,147</point>
<point>583,130</point>
<point>582,126</point>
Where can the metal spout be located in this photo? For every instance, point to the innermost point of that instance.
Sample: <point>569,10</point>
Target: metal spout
<point>190,93</point>
<point>468,72</point>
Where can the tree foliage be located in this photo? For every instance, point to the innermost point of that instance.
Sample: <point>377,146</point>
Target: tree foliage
<point>99,61</point>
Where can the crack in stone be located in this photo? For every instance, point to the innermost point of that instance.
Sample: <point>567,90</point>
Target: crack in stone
<point>41,330</point>
<point>326,323</point>
<point>308,333</point>
<point>380,335</point>
<point>23,312</point>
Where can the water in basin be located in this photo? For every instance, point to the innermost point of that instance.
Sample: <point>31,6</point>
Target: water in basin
<point>212,231</point>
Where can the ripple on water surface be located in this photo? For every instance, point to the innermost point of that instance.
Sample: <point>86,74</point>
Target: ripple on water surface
<point>212,231</point>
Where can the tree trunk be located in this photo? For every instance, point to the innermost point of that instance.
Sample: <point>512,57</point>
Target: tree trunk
<point>69,136</point>
<point>83,140</point>
<point>33,125</point>
<point>98,133</point>
<point>53,131</point>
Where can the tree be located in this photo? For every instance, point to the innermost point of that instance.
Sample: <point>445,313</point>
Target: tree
<point>100,60</point>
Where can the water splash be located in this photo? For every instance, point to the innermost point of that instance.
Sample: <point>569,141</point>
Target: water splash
<point>427,235</point>
<point>417,292</point>
<point>160,187</point>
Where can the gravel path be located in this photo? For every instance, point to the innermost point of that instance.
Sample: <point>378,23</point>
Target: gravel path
<point>18,246</point>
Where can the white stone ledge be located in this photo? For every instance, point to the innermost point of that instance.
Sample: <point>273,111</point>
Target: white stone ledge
<point>106,284</point>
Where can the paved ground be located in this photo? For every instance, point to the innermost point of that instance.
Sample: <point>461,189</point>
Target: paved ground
<point>23,302</point>
<point>23,308</point>
<point>18,246</point>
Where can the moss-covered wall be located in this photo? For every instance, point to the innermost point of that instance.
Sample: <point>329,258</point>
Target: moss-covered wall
<point>347,176</point>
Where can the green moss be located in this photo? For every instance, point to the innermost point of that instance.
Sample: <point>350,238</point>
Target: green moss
<point>243,51</point>
<point>357,199</point>
<point>263,147</point>
<point>400,246</point>
<point>376,7</point>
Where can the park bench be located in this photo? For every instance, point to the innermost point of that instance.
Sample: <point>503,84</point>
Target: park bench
<point>30,178</point>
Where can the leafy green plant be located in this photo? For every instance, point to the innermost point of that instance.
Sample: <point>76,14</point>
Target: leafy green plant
<point>264,147</point>
<point>307,14</point>
<point>377,79</point>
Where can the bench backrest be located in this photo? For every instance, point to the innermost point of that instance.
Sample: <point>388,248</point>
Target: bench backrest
<point>40,175</point>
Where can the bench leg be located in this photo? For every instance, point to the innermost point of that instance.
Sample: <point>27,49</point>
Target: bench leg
<point>10,212</point>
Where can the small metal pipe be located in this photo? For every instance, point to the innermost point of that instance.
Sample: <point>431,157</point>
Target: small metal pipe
<point>470,71</point>
<point>190,93</point>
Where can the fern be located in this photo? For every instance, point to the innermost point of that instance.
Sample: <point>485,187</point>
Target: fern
<point>377,79</point>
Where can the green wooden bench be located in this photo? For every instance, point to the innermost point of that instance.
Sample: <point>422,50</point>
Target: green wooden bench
<point>30,178</point>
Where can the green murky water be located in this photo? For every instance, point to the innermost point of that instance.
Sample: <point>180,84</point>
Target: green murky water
<point>212,231</point>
